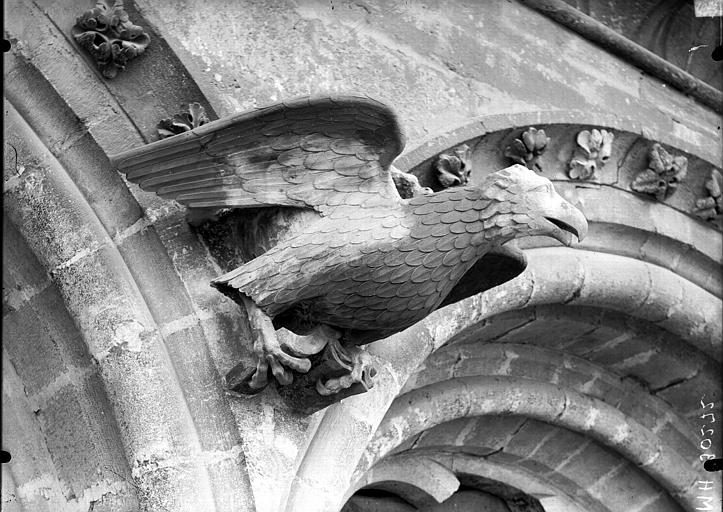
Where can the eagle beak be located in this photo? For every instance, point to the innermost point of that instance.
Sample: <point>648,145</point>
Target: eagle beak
<point>566,221</point>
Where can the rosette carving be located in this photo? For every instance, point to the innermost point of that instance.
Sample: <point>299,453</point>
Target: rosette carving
<point>453,169</point>
<point>110,37</point>
<point>183,121</point>
<point>526,150</point>
<point>711,208</point>
<point>663,174</point>
<point>593,150</point>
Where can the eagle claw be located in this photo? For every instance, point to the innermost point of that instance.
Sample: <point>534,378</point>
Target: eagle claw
<point>361,370</point>
<point>269,353</point>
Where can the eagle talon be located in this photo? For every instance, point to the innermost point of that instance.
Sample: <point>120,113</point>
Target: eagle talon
<point>239,380</point>
<point>268,353</point>
<point>361,370</point>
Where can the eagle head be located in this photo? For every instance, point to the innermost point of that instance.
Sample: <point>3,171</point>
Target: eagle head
<point>531,206</point>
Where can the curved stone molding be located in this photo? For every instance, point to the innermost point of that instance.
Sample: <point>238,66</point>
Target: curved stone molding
<point>528,147</point>
<point>477,356</point>
<point>118,328</point>
<point>134,254</point>
<point>629,153</point>
<point>110,37</point>
<point>420,481</point>
<point>437,474</point>
<point>529,481</point>
<point>560,470</point>
<point>663,175</point>
<point>183,121</point>
<point>593,150</point>
<point>480,396</point>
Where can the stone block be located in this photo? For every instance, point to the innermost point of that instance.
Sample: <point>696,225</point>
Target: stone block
<point>33,353</point>
<point>589,465</point>
<point>685,396</point>
<point>532,436</point>
<point>160,285</point>
<point>450,434</point>
<point>628,488</point>
<point>663,503</point>
<point>493,432</point>
<point>72,444</point>
<point>494,327</point>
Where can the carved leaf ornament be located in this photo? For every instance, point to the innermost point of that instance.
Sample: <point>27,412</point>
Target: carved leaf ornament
<point>110,37</point>
<point>453,170</point>
<point>663,174</point>
<point>527,149</point>
<point>711,208</point>
<point>183,122</point>
<point>593,150</point>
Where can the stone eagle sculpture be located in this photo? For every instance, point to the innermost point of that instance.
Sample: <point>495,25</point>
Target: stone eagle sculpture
<point>372,263</point>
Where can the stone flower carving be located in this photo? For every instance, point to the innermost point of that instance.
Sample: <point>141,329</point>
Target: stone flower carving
<point>110,37</point>
<point>527,149</point>
<point>593,150</point>
<point>453,170</point>
<point>663,174</point>
<point>711,208</point>
<point>183,121</point>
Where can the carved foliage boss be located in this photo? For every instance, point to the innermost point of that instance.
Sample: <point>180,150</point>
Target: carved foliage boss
<point>110,37</point>
<point>372,263</point>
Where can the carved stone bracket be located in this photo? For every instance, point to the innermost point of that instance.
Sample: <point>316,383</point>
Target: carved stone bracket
<point>453,169</point>
<point>592,151</point>
<point>711,208</point>
<point>526,149</point>
<point>663,174</point>
<point>183,121</point>
<point>110,37</point>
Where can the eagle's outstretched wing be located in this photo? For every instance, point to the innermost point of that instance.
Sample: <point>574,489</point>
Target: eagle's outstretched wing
<point>310,152</point>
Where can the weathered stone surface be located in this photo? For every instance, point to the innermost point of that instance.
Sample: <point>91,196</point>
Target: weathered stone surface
<point>425,59</point>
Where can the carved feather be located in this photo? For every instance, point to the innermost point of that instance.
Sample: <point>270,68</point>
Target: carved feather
<point>316,153</point>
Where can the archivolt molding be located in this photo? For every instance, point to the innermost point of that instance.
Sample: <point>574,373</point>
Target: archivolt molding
<point>477,358</point>
<point>552,498</point>
<point>424,408</point>
<point>624,148</point>
<point>98,258</point>
<point>103,298</point>
<point>419,480</point>
<point>583,478</point>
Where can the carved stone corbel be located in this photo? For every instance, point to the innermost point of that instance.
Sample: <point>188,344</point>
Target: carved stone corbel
<point>452,170</point>
<point>528,148</point>
<point>711,208</point>
<point>183,121</point>
<point>663,174</point>
<point>592,151</point>
<point>357,263</point>
<point>110,37</point>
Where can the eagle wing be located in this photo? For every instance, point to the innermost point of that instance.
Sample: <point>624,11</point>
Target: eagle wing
<point>311,153</point>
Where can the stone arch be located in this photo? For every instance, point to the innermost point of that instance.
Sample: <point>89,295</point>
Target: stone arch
<point>101,255</point>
